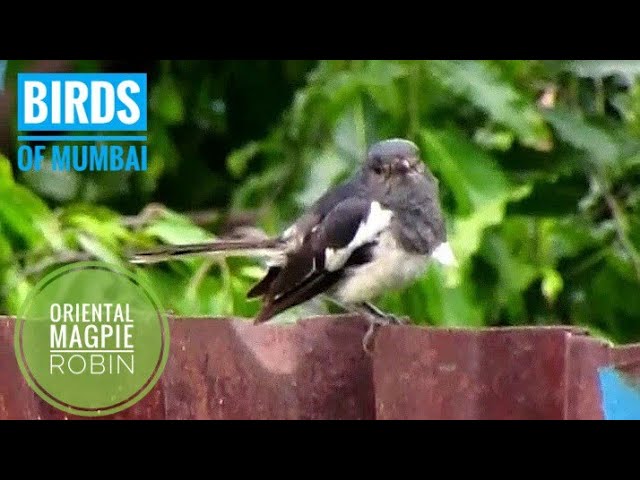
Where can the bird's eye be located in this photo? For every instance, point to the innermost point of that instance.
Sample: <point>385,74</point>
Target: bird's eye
<point>378,170</point>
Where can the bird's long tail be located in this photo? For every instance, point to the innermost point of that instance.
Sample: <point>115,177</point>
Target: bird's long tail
<point>248,248</point>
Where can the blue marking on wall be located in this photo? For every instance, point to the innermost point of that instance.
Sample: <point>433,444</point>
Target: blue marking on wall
<point>620,395</point>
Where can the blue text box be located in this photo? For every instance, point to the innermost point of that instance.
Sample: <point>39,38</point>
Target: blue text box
<point>82,102</point>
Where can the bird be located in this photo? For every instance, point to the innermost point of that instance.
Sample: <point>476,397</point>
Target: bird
<point>375,232</point>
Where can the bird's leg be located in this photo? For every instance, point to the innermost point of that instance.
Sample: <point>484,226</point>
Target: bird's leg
<point>377,318</point>
<point>382,317</point>
<point>367,340</point>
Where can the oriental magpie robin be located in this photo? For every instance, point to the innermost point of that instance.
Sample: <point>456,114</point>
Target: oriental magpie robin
<point>375,232</point>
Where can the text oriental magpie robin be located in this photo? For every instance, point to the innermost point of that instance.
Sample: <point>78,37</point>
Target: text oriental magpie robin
<point>376,232</point>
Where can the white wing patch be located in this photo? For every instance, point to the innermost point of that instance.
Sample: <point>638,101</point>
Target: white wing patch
<point>377,220</point>
<point>290,232</point>
<point>444,255</point>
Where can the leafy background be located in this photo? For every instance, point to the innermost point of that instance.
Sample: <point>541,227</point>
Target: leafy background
<point>538,162</point>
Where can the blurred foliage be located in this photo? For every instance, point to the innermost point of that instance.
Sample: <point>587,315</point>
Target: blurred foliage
<point>538,162</point>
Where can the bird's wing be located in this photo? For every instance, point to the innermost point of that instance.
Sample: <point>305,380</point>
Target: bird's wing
<point>343,238</point>
<point>317,212</point>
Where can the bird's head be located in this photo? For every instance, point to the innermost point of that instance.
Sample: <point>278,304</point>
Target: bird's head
<point>394,157</point>
<point>394,168</point>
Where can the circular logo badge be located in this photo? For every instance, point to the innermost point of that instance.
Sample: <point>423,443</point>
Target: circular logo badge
<point>91,340</point>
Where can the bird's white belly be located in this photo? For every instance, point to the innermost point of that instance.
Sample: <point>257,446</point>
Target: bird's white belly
<point>391,269</point>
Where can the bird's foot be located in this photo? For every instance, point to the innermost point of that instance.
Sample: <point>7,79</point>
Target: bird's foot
<point>383,318</point>
<point>368,339</point>
<point>391,319</point>
<point>377,319</point>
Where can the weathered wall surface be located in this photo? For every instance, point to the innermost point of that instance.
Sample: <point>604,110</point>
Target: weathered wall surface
<point>316,369</point>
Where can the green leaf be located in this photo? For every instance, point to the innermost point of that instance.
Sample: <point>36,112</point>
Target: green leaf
<point>6,172</point>
<point>176,229</point>
<point>473,175</point>
<point>610,301</point>
<point>576,131</point>
<point>238,160</point>
<point>3,70</point>
<point>170,287</point>
<point>26,201</point>
<point>604,68</point>
<point>257,188</point>
<point>97,212</point>
<point>552,284</point>
<point>221,303</point>
<point>380,81</point>
<point>241,305</point>
<point>163,151</point>
<point>61,186</point>
<point>350,134</point>
<point>480,188</point>
<point>252,272</point>
<point>97,249</point>
<point>468,231</point>
<point>565,238</point>
<point>450,306</point>
<point>324,169</point>
<point>24,214</point>
<point>102,224</point>
<point>6,252</point>
<point>479,84</point>
<point>494,140</point>
<point>16,288</point>
<point>514,272</point>
<point>566,190</point>
<point>166,100</point>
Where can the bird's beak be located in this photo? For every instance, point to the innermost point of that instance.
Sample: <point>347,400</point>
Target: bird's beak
<point>402,166</point>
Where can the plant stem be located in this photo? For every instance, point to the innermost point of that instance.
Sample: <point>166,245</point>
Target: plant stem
<point>361,128</point>
<point>198,277</point>
<point>618,216</point>
<point>414,101</point>
<point>620,225</point>
<point>62,257</point>
<point>226,273</point>
<point>600,98</point>
<point>587,263</point>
